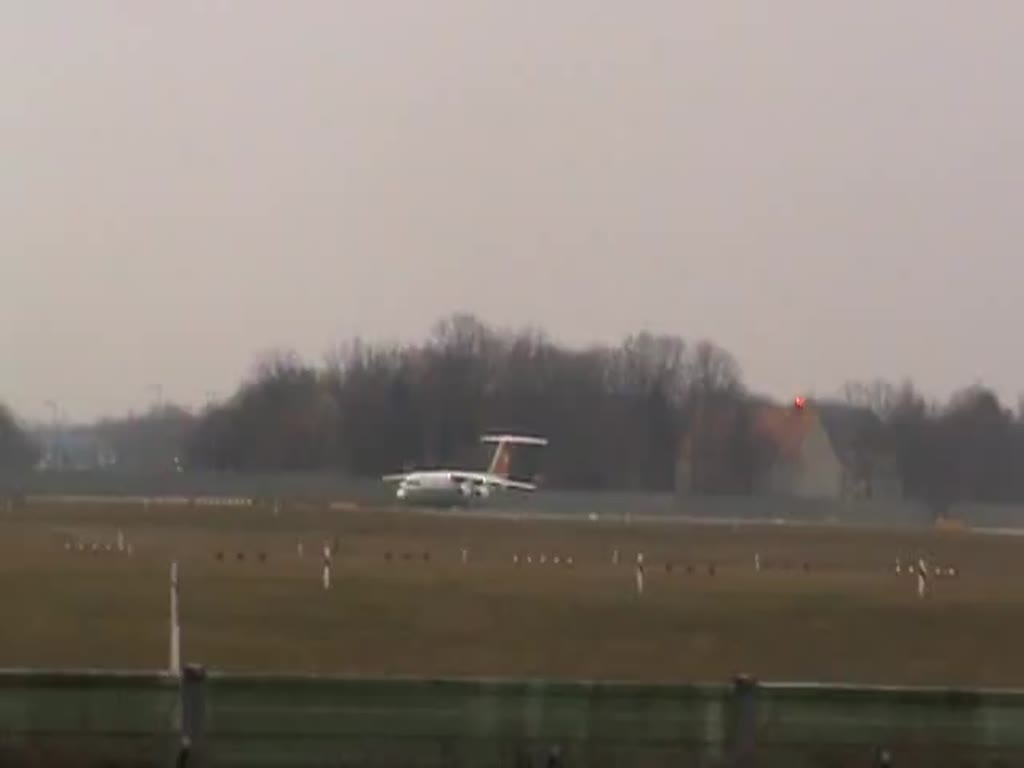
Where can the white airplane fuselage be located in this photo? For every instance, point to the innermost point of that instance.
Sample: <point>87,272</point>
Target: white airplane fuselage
<point>462,486</point>
<point>440,487</point>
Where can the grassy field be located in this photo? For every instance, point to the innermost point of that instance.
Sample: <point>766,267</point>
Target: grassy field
<point>827,604</point>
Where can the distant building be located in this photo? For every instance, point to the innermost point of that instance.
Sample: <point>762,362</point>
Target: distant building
<point>74,448</point>
<point>807,449</point>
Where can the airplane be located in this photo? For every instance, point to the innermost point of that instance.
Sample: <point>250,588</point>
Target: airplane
<point>460,486</point>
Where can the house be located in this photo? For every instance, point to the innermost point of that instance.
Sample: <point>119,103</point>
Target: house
<point>806,449</point>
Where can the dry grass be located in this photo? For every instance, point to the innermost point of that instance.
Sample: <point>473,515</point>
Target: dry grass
<point>836,612</point>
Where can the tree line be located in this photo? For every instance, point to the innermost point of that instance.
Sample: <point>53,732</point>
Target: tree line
<point>615,416</point>
<point>17,449</point>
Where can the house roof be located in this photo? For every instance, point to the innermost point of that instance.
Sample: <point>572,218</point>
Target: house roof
<point>784,428</point>
<point>850,429</point>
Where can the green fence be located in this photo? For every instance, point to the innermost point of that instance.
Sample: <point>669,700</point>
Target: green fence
<point>473,723</point>
<point>150,719</point>
<point>79,718</point>
<point>804,726</point>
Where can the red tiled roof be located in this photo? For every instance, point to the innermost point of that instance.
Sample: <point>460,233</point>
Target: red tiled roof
<point>784,428</point>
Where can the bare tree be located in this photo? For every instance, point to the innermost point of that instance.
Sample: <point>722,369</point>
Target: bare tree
<point>713,371</point>
<point>646,362</point>
<point>978,436</point>
<point>17,450</point>
<point>879,396</point>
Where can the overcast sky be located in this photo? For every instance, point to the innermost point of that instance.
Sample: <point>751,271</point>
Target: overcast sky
<point>828,189</point>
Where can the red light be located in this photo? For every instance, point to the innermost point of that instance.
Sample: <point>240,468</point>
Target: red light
<point>800,402</point>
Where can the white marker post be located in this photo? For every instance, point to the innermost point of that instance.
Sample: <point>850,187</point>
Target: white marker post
<point>922,578</point>
<point>757,562</point>
<point>640,574</point>
<point>120,540</point>
<point>465,556</point>
<point>615,557</point>
<point>298,548</point>
<point>327,567</point>
<point>175,661</point>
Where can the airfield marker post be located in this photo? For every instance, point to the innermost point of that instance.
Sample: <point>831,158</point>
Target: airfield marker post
<point>640,573</point>
<point>327,566</point>
<point>175,660</point>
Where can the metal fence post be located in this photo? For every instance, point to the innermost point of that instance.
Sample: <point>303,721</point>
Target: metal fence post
<point>193,717</point>
<point>744,722</point>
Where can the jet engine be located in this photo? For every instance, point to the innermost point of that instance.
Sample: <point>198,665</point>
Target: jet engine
<point>472,490</point>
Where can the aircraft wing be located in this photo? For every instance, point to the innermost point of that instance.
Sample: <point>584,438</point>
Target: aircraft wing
<point>515,485</point>
<point>484,478</point>
<point>395,478</point>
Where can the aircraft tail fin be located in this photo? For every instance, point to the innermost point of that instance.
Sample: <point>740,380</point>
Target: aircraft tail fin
<point>502,457</point>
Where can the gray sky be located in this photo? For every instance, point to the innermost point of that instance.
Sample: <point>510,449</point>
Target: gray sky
<point>828,189</point>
